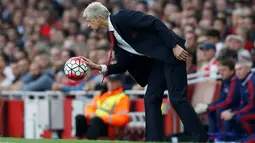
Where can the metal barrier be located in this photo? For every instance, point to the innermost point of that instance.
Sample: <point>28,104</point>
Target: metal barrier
<point>53,111</point>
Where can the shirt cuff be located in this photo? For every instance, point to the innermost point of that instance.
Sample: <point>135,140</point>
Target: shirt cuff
<point>103,68</point>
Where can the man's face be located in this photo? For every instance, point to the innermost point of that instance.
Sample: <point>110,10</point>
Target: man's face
<point>235,44</point>
<point>35,69</point>
<point>94,24</point>
<point>241,70</point>
<point>225,72</point>
<point>209,54</point>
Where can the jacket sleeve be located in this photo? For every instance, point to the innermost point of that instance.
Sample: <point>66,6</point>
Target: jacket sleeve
<point>73,88</point>
<point>90,109</point>
<point>251,103</point>
<point>41,84</point>
<point>139,20</point>
<point>122,62</point>
<point>120,116</point>
<point>231,98</point>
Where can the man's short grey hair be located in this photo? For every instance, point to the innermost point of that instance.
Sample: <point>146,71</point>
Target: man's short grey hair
<point>248,64</point>
<point>96,9</point>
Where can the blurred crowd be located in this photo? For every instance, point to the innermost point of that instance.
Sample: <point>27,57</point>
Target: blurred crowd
<point>38,36</point>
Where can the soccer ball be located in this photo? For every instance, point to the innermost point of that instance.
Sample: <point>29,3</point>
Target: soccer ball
<point>76,68</point>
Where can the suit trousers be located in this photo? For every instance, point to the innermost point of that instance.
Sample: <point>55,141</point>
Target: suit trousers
<point>93,130</point>
<point>173,78</point>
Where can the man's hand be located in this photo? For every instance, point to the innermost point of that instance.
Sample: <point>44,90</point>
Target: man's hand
<point>201,108</point>
<point>180,53</point>
<point>91,64</point>
<point>227,115</point>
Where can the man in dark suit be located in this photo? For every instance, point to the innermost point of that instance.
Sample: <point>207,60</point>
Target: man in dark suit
<point>154,56</point>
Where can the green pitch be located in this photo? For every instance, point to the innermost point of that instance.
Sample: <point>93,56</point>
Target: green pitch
<point>14,140</point>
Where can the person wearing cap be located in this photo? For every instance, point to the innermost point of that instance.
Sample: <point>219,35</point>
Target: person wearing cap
<point>154,56</point>
<point>108,109</point>
<point>209,51</point>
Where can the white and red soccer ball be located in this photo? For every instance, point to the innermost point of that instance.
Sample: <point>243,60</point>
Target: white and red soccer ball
<point>76,68</point>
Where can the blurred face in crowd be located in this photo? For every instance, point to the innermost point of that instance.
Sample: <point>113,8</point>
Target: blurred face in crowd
<point>35,69</point>
<point>92,55</point>
<point>209,54</point>
<point>248,23</point>
<point>113,84</point>
<point>190,40</point>
<point>2,64</point>
<point>9,48</point>
<point>242,70</point>
<point>221,5</point>
<point>141,7</point>
<point>218,25</point>
<point>19,55</point>
<point>2,41</point>
<point>225,71</point>
<point>55,54</point>
<point>15,69</point>
<point>23,66</point>
<point>12,34</point>
<point>170,9</point>
<point>103,54</point>
<point>65,56</point>
<point>235,44</point>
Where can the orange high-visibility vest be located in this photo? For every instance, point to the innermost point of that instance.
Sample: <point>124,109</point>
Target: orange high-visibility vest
<point>112,107</point>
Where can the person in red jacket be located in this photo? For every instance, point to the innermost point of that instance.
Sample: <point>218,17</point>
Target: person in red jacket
<point>108,109</point>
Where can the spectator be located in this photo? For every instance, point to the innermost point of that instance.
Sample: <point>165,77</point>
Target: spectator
<point>4,81</point>
<point>36,80</point>
<point>226,53</point>
<point>191,68</point>
<point>209,51</point>
<point>110,108</point>
<point>213,36</point>
<point>236,42</point>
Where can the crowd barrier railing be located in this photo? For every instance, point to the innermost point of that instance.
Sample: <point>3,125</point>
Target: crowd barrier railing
<point>30,114</point>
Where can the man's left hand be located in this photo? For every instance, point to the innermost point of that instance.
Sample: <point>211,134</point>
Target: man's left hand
<point>227,115</point>
<point>180,53</point>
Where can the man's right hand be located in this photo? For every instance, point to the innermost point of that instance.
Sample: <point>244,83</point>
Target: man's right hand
<point>180,53</point>
<point>91,64</point>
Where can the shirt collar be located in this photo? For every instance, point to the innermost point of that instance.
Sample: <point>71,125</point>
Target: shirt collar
<point>110,26</point>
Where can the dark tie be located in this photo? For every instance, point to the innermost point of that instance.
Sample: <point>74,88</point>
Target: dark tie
<point>110,57</point>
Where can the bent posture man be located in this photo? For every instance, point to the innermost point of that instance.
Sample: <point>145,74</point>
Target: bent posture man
<point>153,55</point>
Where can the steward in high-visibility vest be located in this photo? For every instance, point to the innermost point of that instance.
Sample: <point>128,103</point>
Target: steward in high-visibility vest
<point>108,109</point>
<point>112,107</point>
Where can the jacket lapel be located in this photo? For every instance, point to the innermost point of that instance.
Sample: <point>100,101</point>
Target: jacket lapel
<point>113,21</point>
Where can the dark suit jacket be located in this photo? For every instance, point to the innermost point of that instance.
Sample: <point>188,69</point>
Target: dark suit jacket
<point>148,36</point>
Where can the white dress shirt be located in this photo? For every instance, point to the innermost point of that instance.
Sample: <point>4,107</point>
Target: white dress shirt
<point>121,43</point>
